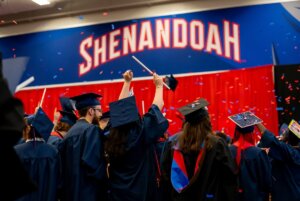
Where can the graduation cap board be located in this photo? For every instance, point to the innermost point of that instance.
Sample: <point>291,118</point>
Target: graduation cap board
<point>86,100</point>
<point>68,117</point>
<point>171,82</point>
<point>67,104</point>
<point>13,70</point>
<point>195,111</point>
<point>245,119</point>
<point>283,128</point>
<point>295,128</point>
<point>123,111</point>
<point>42,124</point>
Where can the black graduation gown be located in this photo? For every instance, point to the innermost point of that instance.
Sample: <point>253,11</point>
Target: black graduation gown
<point>42,162</point>
<point>255,178</point>
<point>216,179</point>
<point>285,168</point>
<point>83,163</point>
<point>133,176</point>
<point>12,173</point>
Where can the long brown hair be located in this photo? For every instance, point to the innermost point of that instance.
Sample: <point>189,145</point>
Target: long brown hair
<point>194,135</point>
<point>62,126</point>
<point>115,145</point>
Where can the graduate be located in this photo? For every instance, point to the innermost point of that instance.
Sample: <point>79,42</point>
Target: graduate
<point>12,173</point>
<point>82,153</point>
<point>285,157</point>
<point>63,125</point>
<point>131,143</point>
<point>41,160</point>
<point>104,123</point>
<point>253,165</point>
<point>197,165</point>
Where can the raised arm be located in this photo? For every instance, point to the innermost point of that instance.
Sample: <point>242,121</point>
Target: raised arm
<point>158,97</point>
<point>127,80</point>
<point>261,128</point>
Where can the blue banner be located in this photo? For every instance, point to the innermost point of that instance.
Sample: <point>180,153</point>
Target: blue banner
<point>195,42</point>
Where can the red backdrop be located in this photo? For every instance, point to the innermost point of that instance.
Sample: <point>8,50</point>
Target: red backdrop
<point>228,93</point>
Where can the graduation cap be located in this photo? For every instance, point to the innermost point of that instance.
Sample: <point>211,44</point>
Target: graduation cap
<point>105,115</point>
<point>283,128</point>
<point>195,111</point>
<point>68,117</point>
<point>171,82</point>
<point>13,70</point>
<point>245,121</point>
<point>86,100</point>
<point>295,128</point>
<point>42,124</point>
<point>66,104</point>
<point>123,111</point>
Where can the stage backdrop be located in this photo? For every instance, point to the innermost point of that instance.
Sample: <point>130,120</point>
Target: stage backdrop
<point>231,41</point>
<point>228,92</point>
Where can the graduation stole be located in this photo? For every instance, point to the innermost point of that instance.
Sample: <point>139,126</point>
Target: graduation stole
<point>179,176</point>
<point>57,134</point>
<point>242,143</point>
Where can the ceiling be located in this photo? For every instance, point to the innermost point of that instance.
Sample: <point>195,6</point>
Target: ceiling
<point>22,11</point>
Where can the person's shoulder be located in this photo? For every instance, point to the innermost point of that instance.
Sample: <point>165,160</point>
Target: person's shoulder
<point>214,140</point>
<point>49,148</point>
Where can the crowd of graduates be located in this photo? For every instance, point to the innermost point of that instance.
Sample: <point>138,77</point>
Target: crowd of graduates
<point>123,156</point>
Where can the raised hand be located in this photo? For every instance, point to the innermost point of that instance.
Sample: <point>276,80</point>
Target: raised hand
<point>158,81</point>
<point>128,75</point>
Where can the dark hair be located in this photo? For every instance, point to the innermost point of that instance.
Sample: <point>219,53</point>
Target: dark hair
<point>117,139</point>
<point>223,136</point>
<point>82,112</point>
<point>32,132</point>
<point>194,135</point>
<point>62,126</point>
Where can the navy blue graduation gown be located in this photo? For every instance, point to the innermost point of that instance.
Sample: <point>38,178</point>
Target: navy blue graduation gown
<point>133,176</point>
<point>42,163</point>
<point>215,181</point>
<point>285,168</point>
<point>54,139</point>
<point>255,178</point>
<point>83,163</point>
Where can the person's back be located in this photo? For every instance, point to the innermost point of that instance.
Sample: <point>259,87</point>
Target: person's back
<point>255,177</point>
<point>285,165</point>
<point>82,155</point>
<point>42,162</point>
<point>198,165</point>
<point>131,147</point>
<point>253,166</point>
